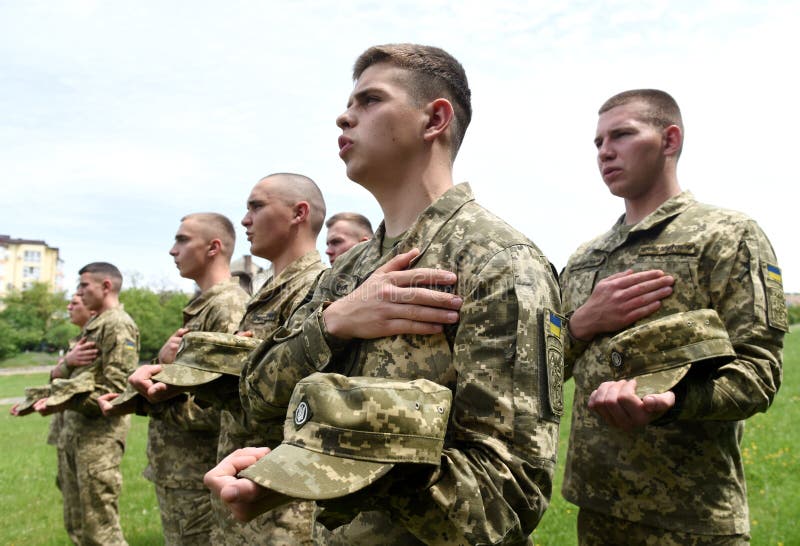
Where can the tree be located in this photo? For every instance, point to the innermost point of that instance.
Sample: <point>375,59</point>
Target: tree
<point>28,315</point>
<point>157,315</point>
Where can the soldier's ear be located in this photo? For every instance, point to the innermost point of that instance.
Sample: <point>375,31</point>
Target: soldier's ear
<point>673,138</point>
<point>302,210</point>
<point>440,115</point>
<point>214,247</point>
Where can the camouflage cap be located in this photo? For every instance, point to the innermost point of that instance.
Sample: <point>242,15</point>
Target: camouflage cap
<point>205,356</point>
<point>32,395</point>
<point>62,390</point>
<point>128,394</point>
<point>659,353</point>
<point>344,433</point>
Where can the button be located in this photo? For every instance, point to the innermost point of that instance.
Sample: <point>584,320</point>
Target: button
<point>616,359</point>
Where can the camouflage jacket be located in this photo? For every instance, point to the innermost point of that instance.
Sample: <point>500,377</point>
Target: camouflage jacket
<point>55,434</point>
<point>684,472</point>
<point>267,310</point>
<point>183,435</point>
<point>502,361</point>
<point>116,337</point>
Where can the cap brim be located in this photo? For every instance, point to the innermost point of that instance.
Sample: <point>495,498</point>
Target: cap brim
<point>661,381</point>
<point>26,406</point>
<point>184,376</point>
<point>60,397</point>
<point>127,395</point>
<point>299,473</point>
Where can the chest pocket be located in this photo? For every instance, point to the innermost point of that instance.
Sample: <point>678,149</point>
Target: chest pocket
<point>579,281</point>
<point>680,260</point>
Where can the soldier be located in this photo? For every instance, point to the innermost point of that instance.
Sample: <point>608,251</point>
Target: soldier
<point>445,291</point>
<point>94,444</point>
<point>183,433</point>
<point>81,352</point>
<point>285,213</point>
<point>655,459</point>
<point>346,230</point>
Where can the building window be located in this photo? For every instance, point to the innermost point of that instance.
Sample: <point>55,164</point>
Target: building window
<point>30,272</point>
<point>33,256</point>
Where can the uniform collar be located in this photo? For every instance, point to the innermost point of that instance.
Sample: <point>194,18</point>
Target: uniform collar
<point>424,230</point>
<point>306,261</point>
<point>196,306</point>
<point>669,209</point>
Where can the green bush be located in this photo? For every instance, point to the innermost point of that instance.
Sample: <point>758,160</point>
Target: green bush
<point>157,314</point>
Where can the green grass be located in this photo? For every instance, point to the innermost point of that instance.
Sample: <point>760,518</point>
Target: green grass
<point>13,386</point>
<point>29,359</point>
<point>31,504</point>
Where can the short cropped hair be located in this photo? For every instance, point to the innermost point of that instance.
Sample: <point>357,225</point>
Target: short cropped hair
<point>360,221</point>
<point>216,226</point>
<point>433,73</point>
<point>662,109</point>
<point>294,188</point>
<point>104,269</point>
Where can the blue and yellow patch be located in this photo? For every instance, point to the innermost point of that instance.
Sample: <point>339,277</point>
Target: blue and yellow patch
<point>774,273</point>
<point>130,345</point>
<point>555,324</point>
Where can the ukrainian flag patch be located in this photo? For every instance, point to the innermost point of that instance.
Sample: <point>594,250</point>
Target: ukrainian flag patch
<point>555,324</point>
<point>130,345</point>
<point>774,273</point>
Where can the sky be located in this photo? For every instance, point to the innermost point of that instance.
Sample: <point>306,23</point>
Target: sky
<point>118,118</point>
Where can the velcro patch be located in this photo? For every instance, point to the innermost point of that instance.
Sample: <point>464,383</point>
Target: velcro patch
<point>777,315</point>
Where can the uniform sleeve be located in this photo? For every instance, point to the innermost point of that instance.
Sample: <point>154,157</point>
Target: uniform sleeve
<point>119,356</point>
<point>296,350</point>
<point>495,480</point>
<point>571,290</point>
<point>747,292</point>
<point>187,413</point>
<point>225,318</point>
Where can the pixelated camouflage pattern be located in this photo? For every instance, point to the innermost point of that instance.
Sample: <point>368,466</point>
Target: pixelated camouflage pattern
<point>602,530</point>
<point>685,474</point>
<point>62,390</point>
<point>268,309</point>
<point>93,444</point>
<point>341,434</point>
<point>32,394</point>
<point>205,356</point>
<point>183,433</point>
<point>496,476</point>
<point>659,353</point>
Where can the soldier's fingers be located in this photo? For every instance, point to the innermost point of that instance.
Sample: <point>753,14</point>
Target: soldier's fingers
<point>422,277</point>
<point>632,279</point>
<point>659,403</point>
<point>399,262</point>
<point>425,297</point>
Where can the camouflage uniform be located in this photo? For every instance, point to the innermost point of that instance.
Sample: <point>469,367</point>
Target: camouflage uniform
<point>684,471</point>
<point>503,362</point>
<point>183,435</point>
<point>94,444</point>
<point>267,310</point>
<point>55,437</point>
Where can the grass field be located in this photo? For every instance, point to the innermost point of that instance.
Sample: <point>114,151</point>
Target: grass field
<point>31,504</point>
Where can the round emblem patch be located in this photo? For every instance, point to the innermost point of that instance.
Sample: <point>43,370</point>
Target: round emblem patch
<point>616,359</point>
<point>301,414</point>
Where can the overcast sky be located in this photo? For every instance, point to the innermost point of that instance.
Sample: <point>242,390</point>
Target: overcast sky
<point>117,118</point>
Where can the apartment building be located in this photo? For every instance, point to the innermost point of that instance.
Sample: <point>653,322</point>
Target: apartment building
<point>25,261</point>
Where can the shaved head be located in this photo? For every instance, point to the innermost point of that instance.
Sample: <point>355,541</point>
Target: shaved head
<point>215,226</point>
<point>293,188</point>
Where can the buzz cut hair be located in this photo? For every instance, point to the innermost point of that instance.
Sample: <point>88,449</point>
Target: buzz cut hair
<point>432,73</point>
<point>359,221</point>
<point>662,109</point>
<point>216,226</point>
<point>104,270</point>
<point>294,188</point>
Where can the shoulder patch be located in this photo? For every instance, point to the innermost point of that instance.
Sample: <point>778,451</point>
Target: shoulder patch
<point>130,345</point>
<point>777,315</point>
<point>554,347</point>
